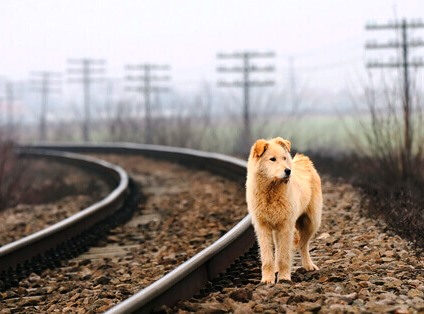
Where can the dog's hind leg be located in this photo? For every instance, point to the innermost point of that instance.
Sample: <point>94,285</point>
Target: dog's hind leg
<point>307,227</point>
<point>266,245</point>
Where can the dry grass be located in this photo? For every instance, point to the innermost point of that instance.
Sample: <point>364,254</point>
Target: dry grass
<point>12,170</point>
<point>387,195</point>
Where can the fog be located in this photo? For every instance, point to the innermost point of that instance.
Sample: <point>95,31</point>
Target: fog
<point>318,53</point>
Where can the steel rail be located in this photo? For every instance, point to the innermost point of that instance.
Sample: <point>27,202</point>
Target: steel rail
<point>188,278</point>
<point>230,167</point>
<point>19,251</point>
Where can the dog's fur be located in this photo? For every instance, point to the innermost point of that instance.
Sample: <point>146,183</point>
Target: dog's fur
<point>285,209</point>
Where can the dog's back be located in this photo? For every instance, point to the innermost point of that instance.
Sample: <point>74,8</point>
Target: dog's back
<point>306,188</point>
<point>306,180</point>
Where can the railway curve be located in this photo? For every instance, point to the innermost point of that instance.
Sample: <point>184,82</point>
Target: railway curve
<point>19,257</point>
<point>193,275</point>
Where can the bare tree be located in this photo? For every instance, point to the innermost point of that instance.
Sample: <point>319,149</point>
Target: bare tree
<point>381,136</point>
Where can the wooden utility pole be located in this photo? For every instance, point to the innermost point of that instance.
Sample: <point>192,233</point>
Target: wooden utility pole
<point>2,102</point>
<point>146,83</point>
<point>246,83</point>
<point>44,84</point>
<point>294,97</point>
<point>404,45</point>
<point>10,103</point>
<point>87,68</point>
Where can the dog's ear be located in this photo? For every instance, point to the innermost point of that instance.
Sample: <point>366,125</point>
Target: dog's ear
<point>259,148</point>
<point>285,143</point>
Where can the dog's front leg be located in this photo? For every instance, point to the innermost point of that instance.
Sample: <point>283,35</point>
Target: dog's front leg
<point>283,251</point>
<point>265,241</point>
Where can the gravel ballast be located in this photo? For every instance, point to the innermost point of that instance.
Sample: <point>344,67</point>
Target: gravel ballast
<point>363,269</point>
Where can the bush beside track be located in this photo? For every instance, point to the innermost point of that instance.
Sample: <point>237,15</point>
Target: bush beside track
<point>399,203</point>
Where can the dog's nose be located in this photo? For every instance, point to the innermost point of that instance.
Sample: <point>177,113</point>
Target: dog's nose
<point>287,171</point>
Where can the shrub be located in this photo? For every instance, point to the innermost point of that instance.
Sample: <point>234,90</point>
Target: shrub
<point>391,166</point>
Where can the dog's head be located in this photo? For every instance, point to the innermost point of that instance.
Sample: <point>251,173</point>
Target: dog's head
<point>272,159</point>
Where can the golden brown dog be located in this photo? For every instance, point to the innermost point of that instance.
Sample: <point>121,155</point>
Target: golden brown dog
<point>284,198</point>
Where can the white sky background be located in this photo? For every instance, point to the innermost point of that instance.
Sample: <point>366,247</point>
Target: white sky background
<point>42,34</point>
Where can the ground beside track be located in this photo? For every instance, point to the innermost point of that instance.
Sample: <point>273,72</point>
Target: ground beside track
<point>50,191</point>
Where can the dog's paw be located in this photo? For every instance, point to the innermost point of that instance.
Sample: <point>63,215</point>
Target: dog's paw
<point>268,278</point>
<point>284,278</point>
<point>310,267</point>
<point>267,281</point>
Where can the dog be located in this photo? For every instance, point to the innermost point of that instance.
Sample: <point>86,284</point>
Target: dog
<point>284,199</point>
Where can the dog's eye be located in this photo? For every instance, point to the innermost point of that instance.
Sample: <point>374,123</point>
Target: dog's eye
<point>272,159</point>
<point>285,158</point>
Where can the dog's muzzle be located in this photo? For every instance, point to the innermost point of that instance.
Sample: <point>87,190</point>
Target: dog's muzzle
<point>285,176</point>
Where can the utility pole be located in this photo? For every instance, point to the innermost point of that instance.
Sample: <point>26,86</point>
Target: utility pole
<point>44,84</point>
<point>146,84</point>
<point>1,118</point>
<point>10,102</point>
<point>87,68</point>
<point>246,69</point>
<point>2,105</point>
<point>292,85</point>
<point>404,44</point>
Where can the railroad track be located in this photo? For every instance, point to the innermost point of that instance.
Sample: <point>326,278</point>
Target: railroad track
<point>193,275</point>
<point>341,285</point>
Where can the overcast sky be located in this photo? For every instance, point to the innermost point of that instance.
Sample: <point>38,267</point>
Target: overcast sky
<point>326,38</point>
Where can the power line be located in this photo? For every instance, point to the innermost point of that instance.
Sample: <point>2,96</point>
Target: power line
<point>246,69</point>
<point>350,44</point>
<point>86,68</point>
<point>44,83</point>
<point>329,66</point>
<point>147,83</point>
<point>404,44</point>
